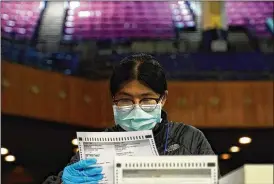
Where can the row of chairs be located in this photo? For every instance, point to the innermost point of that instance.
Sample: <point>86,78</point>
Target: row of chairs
<point>256,12</point>
<point>214,66</point>
<point>178,66</point>
<point>63,62</point>
<point>100,20</point>
<point>213,62</point>
<point>21,20</point>
<point>140,19</point>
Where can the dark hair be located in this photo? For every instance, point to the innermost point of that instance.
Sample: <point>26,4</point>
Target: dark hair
<point>142,67</point>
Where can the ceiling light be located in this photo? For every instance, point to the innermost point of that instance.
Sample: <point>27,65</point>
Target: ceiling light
<point>225,156</point>
<point>75,150</point>
<point>4,151</point>
<point>10,158</point>
<point>74,142</point>
<point>234,149</point>
<point>245,140</point>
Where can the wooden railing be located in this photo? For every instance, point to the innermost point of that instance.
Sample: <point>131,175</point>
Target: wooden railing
<point>55,97</point>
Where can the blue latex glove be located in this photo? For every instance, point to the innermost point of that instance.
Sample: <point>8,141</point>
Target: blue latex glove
<point>82,172</point>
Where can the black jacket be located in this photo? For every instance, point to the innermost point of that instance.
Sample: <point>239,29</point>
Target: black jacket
<point>182,140</point>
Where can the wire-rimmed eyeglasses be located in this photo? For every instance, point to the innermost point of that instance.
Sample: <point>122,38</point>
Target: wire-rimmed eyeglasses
<point>146,104</point>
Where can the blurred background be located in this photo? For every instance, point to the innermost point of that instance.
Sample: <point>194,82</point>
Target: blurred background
<point>56,59</point>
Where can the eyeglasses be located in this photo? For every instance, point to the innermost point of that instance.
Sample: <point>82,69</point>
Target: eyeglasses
<point>146,104</point>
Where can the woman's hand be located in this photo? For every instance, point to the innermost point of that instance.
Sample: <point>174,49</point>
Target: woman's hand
<point>82,172</point>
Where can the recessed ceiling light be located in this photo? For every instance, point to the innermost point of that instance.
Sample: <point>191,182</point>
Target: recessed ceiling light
<point>225,156</point>
<point>4,151</point>
<point>10,158</point>
<point>74,142</point>
<point>245,140</point>
<point>234,149</point>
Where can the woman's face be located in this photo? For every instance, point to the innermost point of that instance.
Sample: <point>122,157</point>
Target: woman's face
<point>136,91</point>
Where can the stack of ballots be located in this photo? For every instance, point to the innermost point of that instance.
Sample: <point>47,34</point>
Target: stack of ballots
<point>132,158</point>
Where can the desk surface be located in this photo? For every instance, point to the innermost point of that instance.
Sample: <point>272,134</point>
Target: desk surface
<point>250,174</point>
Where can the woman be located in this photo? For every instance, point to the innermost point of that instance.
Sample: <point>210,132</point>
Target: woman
<point>139,89</point>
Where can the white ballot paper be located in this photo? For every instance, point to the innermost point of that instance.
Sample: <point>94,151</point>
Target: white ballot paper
<point>104,146</point>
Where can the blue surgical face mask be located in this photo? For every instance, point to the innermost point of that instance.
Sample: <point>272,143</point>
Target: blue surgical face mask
<point>137,119</point>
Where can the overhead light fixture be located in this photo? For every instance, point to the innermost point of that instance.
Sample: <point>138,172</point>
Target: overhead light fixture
<point>225,156</point>
<point>4,151</point>
<point>234,149</point>
<point>10,158</point>
<point>74,142</point>
<point>245,140</point>
<point>75,150</point>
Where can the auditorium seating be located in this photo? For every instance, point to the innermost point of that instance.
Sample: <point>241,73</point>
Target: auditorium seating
<point>19,19</point>
<point>125,19</point>
<point>62,62</point>
<point>243,14</point>
<point>245,65</point>
<point>195,66</point>
<point>100,20</point>
<point>183,14</point>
